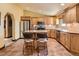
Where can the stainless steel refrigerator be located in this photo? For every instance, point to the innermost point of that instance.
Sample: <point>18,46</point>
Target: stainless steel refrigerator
<point>24,25</point>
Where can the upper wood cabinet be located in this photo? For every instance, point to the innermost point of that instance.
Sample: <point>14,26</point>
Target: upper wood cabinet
<point>66,17</point>
<point>34,21</point>
<point>77,13</point>
<point>48,20</point>
<point>71,15</point>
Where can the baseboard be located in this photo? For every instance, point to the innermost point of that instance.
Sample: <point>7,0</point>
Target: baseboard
<point>15,39</point>
<point>21,38</point>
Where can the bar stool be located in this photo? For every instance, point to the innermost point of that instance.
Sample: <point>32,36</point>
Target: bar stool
<point>41,41</point>
<point>28,42</point>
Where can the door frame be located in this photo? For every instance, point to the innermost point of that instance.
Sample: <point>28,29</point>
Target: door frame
<point>13,25</point>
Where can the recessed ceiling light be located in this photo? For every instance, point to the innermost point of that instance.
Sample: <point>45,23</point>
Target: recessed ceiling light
<point>62,4</point>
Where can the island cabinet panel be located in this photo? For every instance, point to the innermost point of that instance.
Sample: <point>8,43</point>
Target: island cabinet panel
<point>75,43</point>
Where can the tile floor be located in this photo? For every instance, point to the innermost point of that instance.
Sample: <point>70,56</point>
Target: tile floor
<point>16,49</point>
<point>56,49</point>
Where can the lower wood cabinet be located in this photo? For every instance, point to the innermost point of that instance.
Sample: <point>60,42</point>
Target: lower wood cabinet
<point>62,38</point>
<point>53,33</point>
<point>75,43</point>
<point>49,34</point>
<point>65,39</point>
<point>70,41</point>
<point>67,43</point>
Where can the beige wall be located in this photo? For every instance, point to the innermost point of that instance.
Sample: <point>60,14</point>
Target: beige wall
<point>32,14</point>
<point>16,11</point>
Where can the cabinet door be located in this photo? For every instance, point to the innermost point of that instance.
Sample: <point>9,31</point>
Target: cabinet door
<point>47,22</point>
<point>62,38</point>
<point>67,45</point>
<point>53,33</point>
<point>49,35</point>
<point>73,15</point>
<point>75,43</point>
<point>70,15</point>
<point>67,16</point>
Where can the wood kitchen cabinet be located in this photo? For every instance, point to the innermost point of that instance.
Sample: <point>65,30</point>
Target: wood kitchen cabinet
<point>48,20</point>
<point>70,41</point>
<point>75,43</point>
<point>48,33</point>
<point>67,41</point>
<point>77,13</point>
<point>63,38</point>
<point>73,15</point>
<point>67,16</point>
<point>53,33</point>
<point>70,15</point>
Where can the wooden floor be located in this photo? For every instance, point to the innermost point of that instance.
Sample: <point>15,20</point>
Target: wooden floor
<point>53,49</point>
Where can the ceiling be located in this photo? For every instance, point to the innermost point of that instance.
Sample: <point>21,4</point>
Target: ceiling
<point>45,8</point>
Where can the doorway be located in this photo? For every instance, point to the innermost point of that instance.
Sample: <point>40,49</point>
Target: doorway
<point>8,26</point>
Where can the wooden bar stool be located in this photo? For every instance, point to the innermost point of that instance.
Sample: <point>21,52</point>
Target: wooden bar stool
<point>28,42</point>
<point>41,41</point>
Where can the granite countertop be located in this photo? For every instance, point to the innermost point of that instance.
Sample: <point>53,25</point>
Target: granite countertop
<point>69,31</point>
<point>70,28</point>
<point>65,30</point>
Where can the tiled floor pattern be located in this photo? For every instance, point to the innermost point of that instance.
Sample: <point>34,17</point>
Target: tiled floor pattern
<point>53,49</point>
<point>56,49</point>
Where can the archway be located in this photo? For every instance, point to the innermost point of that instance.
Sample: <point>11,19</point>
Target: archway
<point>8,26</point>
